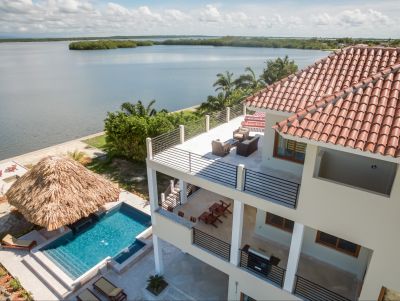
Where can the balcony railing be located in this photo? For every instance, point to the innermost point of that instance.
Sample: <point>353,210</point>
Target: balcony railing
<point>212,244</point>
<point>315,292</point>
<point>164,151</point>
<point>272,188</point>
<point>262,267</point>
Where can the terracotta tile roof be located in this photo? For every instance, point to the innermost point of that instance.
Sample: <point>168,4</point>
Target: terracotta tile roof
<point>365,116</point>
<point>337,72</point>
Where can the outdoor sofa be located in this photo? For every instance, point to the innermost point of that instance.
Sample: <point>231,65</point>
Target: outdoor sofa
<point>247,147</point>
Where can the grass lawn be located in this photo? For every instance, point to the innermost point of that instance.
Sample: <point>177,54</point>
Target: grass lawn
<point>97,142</point>
<point>131,176</point>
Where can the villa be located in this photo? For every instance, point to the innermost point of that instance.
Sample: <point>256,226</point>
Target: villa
<point>296,194</point>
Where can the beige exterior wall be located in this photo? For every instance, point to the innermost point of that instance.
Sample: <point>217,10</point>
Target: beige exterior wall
<point>239,280</point>
<point>368,219</point>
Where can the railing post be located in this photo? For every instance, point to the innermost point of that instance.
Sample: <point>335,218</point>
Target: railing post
<point>172,184</point>
<point>228,114</point>
<point>149,148</point>
<point>162,199</point>
<point>240,177</point>
<point>182,133</point>
<point>244,109</point>
<point>207,123</point>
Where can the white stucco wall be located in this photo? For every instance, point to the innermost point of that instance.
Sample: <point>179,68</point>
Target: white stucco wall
<point>354,265</point>
<point>268,148</point>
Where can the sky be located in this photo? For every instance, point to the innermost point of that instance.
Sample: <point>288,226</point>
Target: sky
<point>278,18</point>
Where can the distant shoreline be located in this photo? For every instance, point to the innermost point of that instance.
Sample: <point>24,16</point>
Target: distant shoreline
<point>226,41</point>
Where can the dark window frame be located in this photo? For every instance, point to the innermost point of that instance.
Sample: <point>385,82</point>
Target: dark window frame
<point>282,226</point>
<point>336,246</point>
<point>287,158</point>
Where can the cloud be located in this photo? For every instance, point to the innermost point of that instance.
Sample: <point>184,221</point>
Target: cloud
<point>210,14</point>
<point>352,18</point>
<point>92,17</point>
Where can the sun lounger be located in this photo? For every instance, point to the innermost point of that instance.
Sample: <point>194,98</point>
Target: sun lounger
<point>87,295</point>
<point>108,289</point>
<point>11,242</point>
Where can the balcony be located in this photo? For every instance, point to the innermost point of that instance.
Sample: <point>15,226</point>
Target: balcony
<point>315,280</point>
<point>189,150</point>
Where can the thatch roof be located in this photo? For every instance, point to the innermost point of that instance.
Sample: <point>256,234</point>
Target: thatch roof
<point>59,191</point>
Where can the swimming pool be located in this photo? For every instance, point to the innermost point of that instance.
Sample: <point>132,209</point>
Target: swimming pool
<point>112,235</point>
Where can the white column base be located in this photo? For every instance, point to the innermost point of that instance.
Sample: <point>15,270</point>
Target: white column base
<point>294,256</point>
<point>158,259</point>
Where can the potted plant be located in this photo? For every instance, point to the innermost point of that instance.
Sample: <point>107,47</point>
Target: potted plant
<point>156,284</point>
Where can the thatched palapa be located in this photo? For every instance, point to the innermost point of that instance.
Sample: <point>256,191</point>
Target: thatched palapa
<point>59,191</point>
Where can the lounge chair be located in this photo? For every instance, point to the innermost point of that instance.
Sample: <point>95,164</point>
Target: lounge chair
<point>220,149</point>
<point>11,242</point>
<point>87,295</point>
<point>108,289</point>
<point>209,219</point>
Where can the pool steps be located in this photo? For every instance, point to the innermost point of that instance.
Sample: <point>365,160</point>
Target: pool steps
<point>57,287</point>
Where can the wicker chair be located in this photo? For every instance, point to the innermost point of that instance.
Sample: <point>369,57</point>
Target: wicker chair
<point>247,147</point>
<point>219,148</point>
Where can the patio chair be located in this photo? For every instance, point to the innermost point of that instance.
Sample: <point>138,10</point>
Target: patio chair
<point>241,134</point>
<point>11,242</point>
<point>87,295</point>
<point>219,148</point>
<point>225,206</point>
<point>209,219</point>
<point>111,291</point>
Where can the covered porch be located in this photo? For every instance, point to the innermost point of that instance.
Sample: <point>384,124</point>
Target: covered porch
<point>315,271</point>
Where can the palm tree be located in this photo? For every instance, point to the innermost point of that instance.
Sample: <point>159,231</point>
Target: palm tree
<point>278,69</point>
<point>248,80</point>
<point>213,103</point>
<point>224,83</point>
<point>138,109</point>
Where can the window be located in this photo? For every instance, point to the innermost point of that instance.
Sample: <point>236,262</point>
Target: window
<point>279,222</point>
<point>289,149</point>
<point>338,244</point>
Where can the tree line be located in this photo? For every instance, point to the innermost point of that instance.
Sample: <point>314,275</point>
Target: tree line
<point>107,44</point>
<point>127,129</point>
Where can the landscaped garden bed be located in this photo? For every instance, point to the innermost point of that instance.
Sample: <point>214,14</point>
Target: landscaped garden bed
<point>11,288</point>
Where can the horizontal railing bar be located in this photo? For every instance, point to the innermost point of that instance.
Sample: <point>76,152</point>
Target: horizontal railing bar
<point>277,193</point>
<point>267,175</point>
<point>271,181</point>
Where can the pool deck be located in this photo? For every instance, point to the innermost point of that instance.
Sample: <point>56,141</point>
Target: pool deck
<point>13,259</point>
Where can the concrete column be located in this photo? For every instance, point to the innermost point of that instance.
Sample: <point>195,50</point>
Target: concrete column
<point>237,219</point>
<point>207,123</point>
<point>237,227</point>
<point>172,184</point>
<point>228,114</point>
<point>183,189</point>
<point>149,148</point>
<point>233,289</point>
<point>153,193</point>
<point>182,133</point>
<point>294,256</point>
<point>158,258</point>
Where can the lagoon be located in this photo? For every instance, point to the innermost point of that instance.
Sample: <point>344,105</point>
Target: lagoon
<point>49,94</point>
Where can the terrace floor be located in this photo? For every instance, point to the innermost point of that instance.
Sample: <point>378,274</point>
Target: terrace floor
<point>201,145</point>
<point>326,275</point>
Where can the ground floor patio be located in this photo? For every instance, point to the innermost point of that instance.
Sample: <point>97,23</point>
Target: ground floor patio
<point>327,275</point>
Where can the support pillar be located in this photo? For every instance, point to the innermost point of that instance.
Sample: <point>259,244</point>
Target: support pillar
<point>183,193</point>
<point>158,258</point>
<point>237,219</point>
<point>294,257</point>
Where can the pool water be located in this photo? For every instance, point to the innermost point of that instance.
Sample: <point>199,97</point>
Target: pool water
<point>114,235</point>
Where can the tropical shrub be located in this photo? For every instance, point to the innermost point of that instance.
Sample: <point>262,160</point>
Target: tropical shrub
<point>15,284</point>
<point>156,284</point>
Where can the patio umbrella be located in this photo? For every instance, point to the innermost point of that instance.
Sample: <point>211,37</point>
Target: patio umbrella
<point>59,191</point>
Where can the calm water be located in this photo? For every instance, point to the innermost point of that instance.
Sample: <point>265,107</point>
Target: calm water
<point>76,254</point>
<point>49,94</point>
